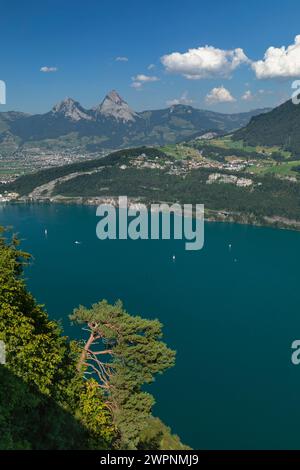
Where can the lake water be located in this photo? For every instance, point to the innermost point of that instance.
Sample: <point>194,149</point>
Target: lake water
<point>230,314</point>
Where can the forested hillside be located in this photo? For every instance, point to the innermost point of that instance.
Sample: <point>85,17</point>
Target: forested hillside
<point>281,127</point>
<point>45,403</point>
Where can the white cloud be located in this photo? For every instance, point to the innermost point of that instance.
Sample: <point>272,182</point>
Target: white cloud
<point>141,79</point>
<point>265,92</point>
<point>279,62</point>
<point>248,96</point>
<point>136,85</point>
<point>204,62</point>
<point>151,66</point>
<point>219,95</point>
<point>145,78</point>
<point>184,99</point>
<point>48,69</point>
<point>121,59</point>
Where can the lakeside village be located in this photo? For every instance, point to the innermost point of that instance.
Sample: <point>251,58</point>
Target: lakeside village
<point>185,166</point>
<point>176,167</point>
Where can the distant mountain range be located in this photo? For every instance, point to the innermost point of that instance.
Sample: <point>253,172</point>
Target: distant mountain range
<point>281,127</point>
<point>110,125</point>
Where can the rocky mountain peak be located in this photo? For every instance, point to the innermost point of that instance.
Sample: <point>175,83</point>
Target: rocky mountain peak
<point>115,107</point>
<point>114,96</point>
<point>71,109</point>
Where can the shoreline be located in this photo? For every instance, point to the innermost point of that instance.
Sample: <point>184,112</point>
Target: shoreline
<point>210,215</point>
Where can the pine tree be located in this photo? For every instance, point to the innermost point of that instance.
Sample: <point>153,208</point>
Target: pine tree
<point>124,352</point>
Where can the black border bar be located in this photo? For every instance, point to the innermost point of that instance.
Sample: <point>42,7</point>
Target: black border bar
<point>133,459</point>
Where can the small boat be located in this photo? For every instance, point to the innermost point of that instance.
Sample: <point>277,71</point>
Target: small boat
<point>77,242</point>
<point>173,257</point>
<point>46,232</point>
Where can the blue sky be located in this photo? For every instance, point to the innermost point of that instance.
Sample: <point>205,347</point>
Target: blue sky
<point>77,44</point>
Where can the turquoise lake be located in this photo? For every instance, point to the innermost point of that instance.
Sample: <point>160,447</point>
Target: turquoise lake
<point>231,314</point>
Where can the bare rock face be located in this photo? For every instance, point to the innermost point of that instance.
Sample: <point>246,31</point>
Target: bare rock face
<point>72,110</point>
<point>115,107</point>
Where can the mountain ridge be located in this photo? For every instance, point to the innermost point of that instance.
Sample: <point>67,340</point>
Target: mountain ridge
<point>113,124</point>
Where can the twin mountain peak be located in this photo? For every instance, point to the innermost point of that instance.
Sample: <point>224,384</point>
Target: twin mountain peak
<point>113,124</point>
<point>112,106</point>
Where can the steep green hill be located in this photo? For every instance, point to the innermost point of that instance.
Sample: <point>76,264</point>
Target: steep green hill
<point>281,126</point>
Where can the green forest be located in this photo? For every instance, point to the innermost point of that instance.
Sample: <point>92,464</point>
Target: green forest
<point>281,127</point>
<point>268,197</point>
<point>62,394</point>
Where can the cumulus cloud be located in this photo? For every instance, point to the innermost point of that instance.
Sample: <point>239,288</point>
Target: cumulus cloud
<point>248,96</point>
<point>151,66</point>
<point>48,69</point>
<point>136,85</point>
<point>184,99</point>
<point>279,62</point>
<point>219,95</point>
<point>145,78</point>
<point>204,62</point>
<point>139,80</point>
<point>121,59</point>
